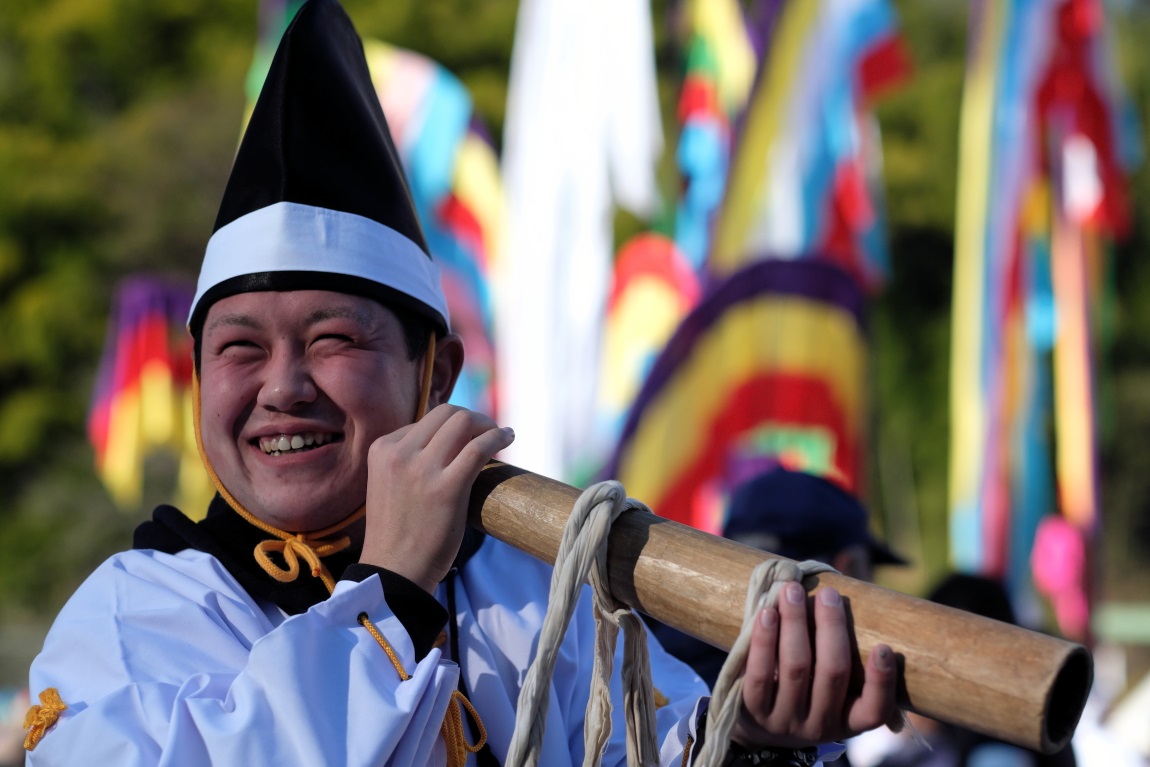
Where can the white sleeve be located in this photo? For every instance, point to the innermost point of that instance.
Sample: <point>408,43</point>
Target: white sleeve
<point>163,660</point>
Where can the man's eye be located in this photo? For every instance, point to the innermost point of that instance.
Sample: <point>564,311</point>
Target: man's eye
<point>236,344</point>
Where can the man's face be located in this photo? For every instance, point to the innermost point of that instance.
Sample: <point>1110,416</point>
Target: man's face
<point>294,388</point>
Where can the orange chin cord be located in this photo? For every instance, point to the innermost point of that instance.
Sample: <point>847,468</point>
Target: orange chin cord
<point>425,384</point>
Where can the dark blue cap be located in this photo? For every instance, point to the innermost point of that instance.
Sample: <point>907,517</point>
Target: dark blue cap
<point>801,516</point>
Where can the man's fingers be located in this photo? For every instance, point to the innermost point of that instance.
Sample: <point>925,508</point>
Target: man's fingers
<point>414,437</point>
<point>794,675</point>
<point>832,669</point>
<point>481,449</point>
<point>466,441</point>
<point>759,677</point>
<point>877,704</point>
<point>426,429</point>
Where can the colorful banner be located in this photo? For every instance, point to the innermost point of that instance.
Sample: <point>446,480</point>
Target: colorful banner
<point>720,70</point>
<point>653,287</point>
<point>1045,144</point>
<point>803,172</point>
<point>769,367</point>
<point>142,397</point>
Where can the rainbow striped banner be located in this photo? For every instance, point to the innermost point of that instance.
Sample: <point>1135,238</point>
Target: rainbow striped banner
<point>770,366</point>
<point>455,183</point>
<point>653,286</point>
<point>141,402</point>
<point>720,70</point>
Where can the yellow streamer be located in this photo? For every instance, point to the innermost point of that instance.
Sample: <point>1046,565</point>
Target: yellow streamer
<point>967,414</point>
<point>765,115</point>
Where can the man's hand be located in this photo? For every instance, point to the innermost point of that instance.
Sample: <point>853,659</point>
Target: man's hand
<point>419,483</point>
<point>797,686</point>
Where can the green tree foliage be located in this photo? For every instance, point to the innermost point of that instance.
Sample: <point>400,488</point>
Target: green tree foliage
<point>117,121</point>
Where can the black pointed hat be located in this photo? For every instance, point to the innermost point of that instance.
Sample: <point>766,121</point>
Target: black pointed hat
<point>317,199</point>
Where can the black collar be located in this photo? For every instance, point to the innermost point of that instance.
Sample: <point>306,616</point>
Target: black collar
<point>232,540</point>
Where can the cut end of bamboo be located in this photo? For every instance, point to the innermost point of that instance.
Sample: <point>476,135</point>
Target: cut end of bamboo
<point>1067,699</point>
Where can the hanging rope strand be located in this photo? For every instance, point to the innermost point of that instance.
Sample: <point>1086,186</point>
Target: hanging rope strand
<point>584,544</point>
<point>583,556</point>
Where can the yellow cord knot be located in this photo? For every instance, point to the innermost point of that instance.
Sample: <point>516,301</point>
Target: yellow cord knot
<point>294,547</point>
<point>453,736</point>
<point>40,718</point>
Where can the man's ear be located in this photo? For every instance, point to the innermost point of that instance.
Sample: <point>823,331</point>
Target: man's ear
<point>447,365</point>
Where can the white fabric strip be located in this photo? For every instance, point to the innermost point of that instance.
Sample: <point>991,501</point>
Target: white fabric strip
<point>288,236</point>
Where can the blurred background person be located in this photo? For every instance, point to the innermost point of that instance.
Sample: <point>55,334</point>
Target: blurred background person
<point>799,516</point>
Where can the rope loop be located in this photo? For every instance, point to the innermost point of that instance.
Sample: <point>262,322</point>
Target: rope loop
<point>292,549</point>
<point>583,557</point>
<point>453,733</point>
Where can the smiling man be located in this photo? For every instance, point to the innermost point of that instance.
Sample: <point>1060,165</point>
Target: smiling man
<point>333,608</point>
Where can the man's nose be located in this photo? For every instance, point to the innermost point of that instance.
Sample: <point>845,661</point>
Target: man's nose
<point>287,384</point>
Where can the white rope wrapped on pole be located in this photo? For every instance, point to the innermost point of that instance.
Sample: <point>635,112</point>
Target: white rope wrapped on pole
<point>1001,680</point>
<point>767,580</point>
<point>582,557</point>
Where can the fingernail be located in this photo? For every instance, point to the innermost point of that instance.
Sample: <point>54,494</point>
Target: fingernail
<point>768,617</point>
<point>884,660</point>
<point>795,594</point>
<point>509,431</point>
<point>829,597</point>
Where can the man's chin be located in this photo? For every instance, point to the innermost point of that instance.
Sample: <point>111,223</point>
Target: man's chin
<point>293,512</point>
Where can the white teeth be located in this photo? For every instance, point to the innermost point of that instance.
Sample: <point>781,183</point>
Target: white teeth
<point>283,443</point>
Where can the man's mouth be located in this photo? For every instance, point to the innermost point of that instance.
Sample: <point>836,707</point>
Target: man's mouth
<point>283,444</point>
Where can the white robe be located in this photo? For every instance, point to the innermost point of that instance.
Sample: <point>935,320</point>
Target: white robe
<point>165,660</point>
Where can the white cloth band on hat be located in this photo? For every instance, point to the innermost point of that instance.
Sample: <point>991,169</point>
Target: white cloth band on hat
<point>288,236</point>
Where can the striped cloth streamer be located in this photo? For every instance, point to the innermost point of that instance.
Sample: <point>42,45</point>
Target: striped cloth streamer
<point>1045,146</point>
<point>455,184</point>
<point>801,180</point>
<point>719,72</point>
<point>141,401</point>
<point>771,363</point>
<point>967,408</point>
<point>653,287</point>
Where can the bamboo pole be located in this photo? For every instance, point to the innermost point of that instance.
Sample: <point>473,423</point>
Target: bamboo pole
<point>998,679</point>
